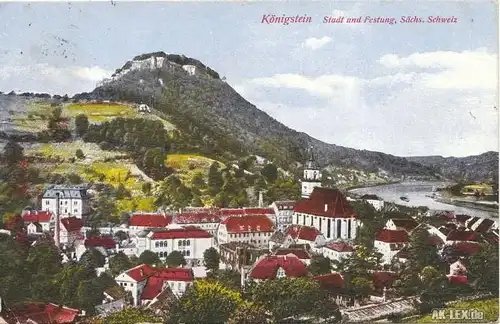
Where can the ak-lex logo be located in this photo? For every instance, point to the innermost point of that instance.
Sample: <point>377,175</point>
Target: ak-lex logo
<point>457,314</point>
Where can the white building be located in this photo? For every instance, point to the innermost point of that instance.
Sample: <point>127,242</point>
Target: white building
<point>336,251</point>
<point>373,200</point>
<point>38,220</point>
<point>329,211</point>
<point>311,177</point>
<point>206,220</point>
<point>189,240</point>
<point>251,229</point>
<point>73,200</point>
<point>390,242</point>
<point>284,213</point>
<point>143,221</point>
<point>145,283</point>
<point>304,235</point>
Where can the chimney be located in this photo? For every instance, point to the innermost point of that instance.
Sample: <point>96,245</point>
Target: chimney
<point>57,229</point>
<point>326,207</point>
<point>261,199</point>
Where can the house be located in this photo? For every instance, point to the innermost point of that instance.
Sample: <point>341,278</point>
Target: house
<point>206,220</point>
<point>276,240</point>
<point>42,217</point>
<point>465,249</point>
<point>484,226</point>
<point>143,108</point>
<point>300,234</point>
<point>461,236</point>
<point>70,230</point>
<point>238,254</point>
<point>34,228</point>
<point>389,242</point>
<point>458,268</point>
<point>329,211</point>
<point>252,229</point>
<point>191,241</point>
<point>373,200</point>
<point>272,267</point>
<point>141,221</point>
<point>40,313</point>
<point>337,250</point>
<point>284,212</point>
<point>145,283</point>
<point>103,243</point>
<point>74,200</point>
<point>398,224</point>
<point>302,254</point>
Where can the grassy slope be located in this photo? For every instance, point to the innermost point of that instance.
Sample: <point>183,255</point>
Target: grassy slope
<point>488,306</point>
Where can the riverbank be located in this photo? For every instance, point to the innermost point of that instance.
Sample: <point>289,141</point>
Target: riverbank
<point>372,185</point>
<point>491,208</point>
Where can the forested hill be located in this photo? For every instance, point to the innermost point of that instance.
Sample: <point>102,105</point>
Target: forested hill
<point>200,103</point>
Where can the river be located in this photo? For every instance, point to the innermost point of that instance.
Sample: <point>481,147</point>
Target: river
<point>416,193</point>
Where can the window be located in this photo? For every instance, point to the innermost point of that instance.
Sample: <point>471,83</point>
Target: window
<point>161,243</point>
<point>339,227</point>
<point>328,228</point>
<point>165,243</point>
<point>76,203</point>
<point>47,202</point>
<point>320,221</point>
<point>188,252</point>
<point>157,244</point>
<point>349,229</point>
<point>75,210</point>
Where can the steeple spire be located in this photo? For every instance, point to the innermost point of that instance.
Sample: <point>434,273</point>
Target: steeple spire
<point>311,163</point>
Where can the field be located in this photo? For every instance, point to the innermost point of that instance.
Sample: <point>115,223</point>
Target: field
<point>34,118</point>
<point>67,150</point>
<point>489,307</point>
<point>98,113</point>
<point>187,165</point>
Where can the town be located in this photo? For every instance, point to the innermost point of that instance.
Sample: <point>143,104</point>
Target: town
<point>327,257</point>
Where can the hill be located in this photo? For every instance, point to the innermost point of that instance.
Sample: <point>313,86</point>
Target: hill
<point>195,98</point>
<point>471,168</point>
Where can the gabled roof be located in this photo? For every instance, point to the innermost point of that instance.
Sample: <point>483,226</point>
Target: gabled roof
<point>140,272</point>
<point>150,220</point>
<point>197,218</point>
<point>72,224</point>
<point>248,224</point>
<point>156,282</point>
<point>104,241</point>
<point>301,232</point>
<point>462,218</point>
<point>299,253</point>
<point>457,235</point>
<point>466,248</point>
<point>186,232</point>
<point>330,280</point>
<point>340,247</point>
<point>228,212</point>
<point>391,236</point>
<point>458,280</point>
<point>407,224</point>
<point>44,313</point>
<point>485,225</point>
<point>41,216</point>
<point>66,191</point>
<point>267,267</point>
<point>326,202</point>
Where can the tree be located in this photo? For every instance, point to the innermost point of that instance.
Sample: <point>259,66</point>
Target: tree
<point>79,154</point>
<point>215,180</point>
<point>119,263</point>
<point>279,297</point>
<point>43,264</point>
<point>81,124</point>
<point>146,188</point>
<point>212,259</point>
<point>150,258</point>
<point>56,113</point>
<point>229,278</point>
<point>130,315</point>
<point>248,313</point>
<point>319,265</point>
<point>483,268</point>
<point>270,172</point>
<point>196,201</point>
<point>92,259</point>
<point>13,153</point>
<point>175,259</point>
<point>13,283</point>
<point>422,252</point>
<point>206,302</point>
<point>124,218</point>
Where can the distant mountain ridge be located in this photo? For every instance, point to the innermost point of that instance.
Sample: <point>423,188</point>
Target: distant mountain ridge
<point>202,105</point>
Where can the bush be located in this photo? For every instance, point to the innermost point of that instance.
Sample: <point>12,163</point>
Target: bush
<point>79,154</point>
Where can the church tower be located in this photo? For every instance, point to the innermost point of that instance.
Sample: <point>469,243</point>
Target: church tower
<point>312,175</point>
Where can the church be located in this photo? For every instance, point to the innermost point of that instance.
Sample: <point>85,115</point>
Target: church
<point>326,209</point>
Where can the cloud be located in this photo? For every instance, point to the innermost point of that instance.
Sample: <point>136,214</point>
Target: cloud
<point>314,43</point>
<point>425,103</point>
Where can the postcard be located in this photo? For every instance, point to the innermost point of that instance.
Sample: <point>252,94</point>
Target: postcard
<point>223,162</point>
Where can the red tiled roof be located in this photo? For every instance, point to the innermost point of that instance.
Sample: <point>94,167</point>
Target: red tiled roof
<point>457,235</point>
<point>485,225</point>
<point>72,224</point>
<point>390,236</point>
<point>335,202</point>
<point>259,211</point>
<point>180,233</point>
<point>299,253</point>
<point>140,272</point>
<point>197,217</point>
<point>226,212</point>
<point>458,280</point>
<point>150,220</point>
<point>333,280</point>
<point>462,218</point>
<point>174,274</point>
<point>40,216</point>
<point>104,241</point>
<point>383,279</point>
<point>153,288</point>
<point>158,276</point>
<point>491,237</point>
<point>285,204</point>
<point>466,248</point>
<point>248,224</point>
<point>45,313</point>
<point>301,232</point>
<point>267,267</point>
<point>340,247</point>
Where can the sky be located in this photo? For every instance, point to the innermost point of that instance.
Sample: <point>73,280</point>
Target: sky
<point>406,89</point>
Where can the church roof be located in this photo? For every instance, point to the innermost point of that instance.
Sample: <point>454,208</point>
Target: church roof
<point>311,161</point>
<point>326,202</point>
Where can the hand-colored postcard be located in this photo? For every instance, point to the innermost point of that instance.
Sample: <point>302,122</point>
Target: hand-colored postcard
<point>249,162</point>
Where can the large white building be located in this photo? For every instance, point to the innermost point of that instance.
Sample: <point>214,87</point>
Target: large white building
<point>191,241</point>
<point>328,210</point>
<point>284,213</point>
<point>73,200</point>
<point>251,229</point>
<point>311,177</point>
